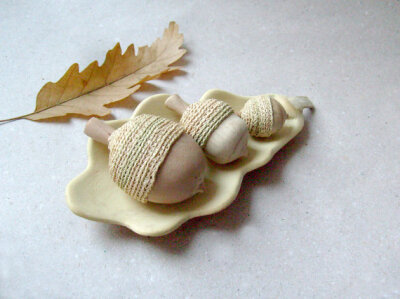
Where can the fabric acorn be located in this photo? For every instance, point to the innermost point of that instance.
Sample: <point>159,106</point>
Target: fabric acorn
<point>263,115</point>
<point>216,128</point>
<point>151,158</point>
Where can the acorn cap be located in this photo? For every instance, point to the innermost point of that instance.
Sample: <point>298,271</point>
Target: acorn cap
<point>214,126</point>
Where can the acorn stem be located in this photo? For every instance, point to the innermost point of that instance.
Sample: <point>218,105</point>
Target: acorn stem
<point>175,103</point>
<point>98,130</point>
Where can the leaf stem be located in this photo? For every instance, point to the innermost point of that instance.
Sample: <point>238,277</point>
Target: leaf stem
<point>17,117</point>
<point>301,103</point>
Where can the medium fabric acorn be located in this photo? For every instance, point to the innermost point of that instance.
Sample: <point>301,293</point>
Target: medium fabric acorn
<point>263,115</point>
<point>214,126</point>
<point>151,158</point>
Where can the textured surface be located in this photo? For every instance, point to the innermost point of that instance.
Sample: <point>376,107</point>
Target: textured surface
<point>259,116</point>
<point>202,118</point>
<point>136,151</point>
<point>321,220</point>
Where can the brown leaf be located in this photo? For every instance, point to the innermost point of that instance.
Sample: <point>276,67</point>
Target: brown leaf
<point>86,92</point>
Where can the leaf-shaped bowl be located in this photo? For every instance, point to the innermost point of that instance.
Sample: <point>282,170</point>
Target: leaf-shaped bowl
<point>93,194</point>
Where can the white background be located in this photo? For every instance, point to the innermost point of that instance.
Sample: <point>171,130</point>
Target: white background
<point>321,220</point>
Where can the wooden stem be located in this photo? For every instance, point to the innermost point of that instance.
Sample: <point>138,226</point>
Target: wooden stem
<point>176,103</point>
<point>98,130</point>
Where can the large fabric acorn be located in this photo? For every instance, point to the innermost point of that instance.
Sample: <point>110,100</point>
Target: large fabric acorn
<point>216,128</point>
<point>151,158</point>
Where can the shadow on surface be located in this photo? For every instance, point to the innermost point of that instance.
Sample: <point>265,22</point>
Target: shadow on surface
<point>129,103</point>
<point>172,74</point>
<point>182,62</point>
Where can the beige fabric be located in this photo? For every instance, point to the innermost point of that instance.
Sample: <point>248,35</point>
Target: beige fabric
<point>137,150</point>
<point>259,116</point>
<point>202,118</point>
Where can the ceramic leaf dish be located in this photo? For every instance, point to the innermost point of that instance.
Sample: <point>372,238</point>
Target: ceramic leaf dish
<point>93,194</point>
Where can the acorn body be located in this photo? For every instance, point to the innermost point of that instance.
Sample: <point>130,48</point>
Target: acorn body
<point>229,142</point>
<point>213,125</point>
<point>152,159</point>
<point>182,174</point>
<point>263,116</point>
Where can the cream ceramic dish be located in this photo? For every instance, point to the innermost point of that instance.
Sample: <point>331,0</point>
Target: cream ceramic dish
<point>93,194</point>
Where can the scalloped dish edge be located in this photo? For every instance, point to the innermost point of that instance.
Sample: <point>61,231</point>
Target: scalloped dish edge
<point>174,217</point>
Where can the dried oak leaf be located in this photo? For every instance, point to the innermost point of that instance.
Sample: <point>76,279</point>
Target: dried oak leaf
<point>86,92</point>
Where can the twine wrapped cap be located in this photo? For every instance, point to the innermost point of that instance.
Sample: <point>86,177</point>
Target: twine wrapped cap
<point>137,150</point>
<point>258,114</point>
<point>202,118</point>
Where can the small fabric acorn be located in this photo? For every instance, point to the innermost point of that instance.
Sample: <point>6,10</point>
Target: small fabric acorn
<point>215,127</point>
<point>151,158</point>
<point>263,115</point>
